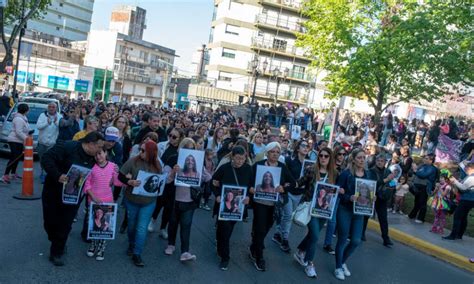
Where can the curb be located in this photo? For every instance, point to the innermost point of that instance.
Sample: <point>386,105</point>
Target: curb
<point>426,247</point>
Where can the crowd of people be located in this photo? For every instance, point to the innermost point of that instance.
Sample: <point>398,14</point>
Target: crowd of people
<point>117,141</point>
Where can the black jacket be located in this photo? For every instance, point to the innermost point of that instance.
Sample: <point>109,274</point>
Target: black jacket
<point>142,133</point>
<point>57,161</point>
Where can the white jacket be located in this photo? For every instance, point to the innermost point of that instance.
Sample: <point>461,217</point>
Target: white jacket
<point>20,129</point>
<point>48,132</point>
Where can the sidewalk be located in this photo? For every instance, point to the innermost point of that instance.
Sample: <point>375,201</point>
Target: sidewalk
<point>418,236</point>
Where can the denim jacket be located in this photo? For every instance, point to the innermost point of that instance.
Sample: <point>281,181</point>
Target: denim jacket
<point>430,173</point>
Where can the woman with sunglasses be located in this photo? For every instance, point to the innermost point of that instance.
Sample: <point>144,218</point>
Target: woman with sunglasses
<point>294,165</point>
<point>340,158</point>
<point>139,208</point>
<point>324,171</point>
<point>348,223</point>
<point>121,123</point>
<point>165,201</point>
<point>264,210</point>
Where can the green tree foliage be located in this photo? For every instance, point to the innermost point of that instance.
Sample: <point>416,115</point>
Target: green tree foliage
<point>12,16</point>
<point>387,51</point>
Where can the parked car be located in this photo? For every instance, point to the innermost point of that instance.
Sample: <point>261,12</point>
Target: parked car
<point>37,106</point>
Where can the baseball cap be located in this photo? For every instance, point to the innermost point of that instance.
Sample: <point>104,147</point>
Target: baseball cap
<point>112,134</point>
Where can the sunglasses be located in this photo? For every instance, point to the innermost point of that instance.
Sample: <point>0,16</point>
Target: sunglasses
<point>341,154</point>
<point>173,136</point>
<point>323,156</point>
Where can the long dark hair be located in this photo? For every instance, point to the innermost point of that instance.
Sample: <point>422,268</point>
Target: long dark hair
<point>151,152</point>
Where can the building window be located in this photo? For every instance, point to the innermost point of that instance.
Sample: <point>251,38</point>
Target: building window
<point>298,72</point>
<point>231,29</point>
<point>49,50</point>
<point>69,54</point>
<point>118,86</point>
<point>60,17</point>
<point>61,4</point>
<point>229,53</point>
<point>279,44</point>
<point>149,91</point>
<point>224,76</point>
<point>58,28</point>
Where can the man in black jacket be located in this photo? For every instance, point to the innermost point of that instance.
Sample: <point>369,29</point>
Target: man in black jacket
<point>153,125</point>
<point>58,217</point>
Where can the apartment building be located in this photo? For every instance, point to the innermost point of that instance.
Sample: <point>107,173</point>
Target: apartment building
<point>255,40</point>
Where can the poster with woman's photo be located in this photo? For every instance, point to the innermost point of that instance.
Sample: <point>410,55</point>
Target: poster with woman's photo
<point>396,170</point>
<point>324,200</point>
<point>190,164</point>
<point>267,180</point>
<point>295,132</point>
<point>73,187</point>
<point>232,203</point>
<point>102,221</point>
<point>365,196</point>
<point>306,164</point>
<point>151,185</point>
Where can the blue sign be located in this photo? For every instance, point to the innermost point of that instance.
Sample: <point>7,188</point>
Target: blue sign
<point>81,86</point>
<point>55,82</point>
<point>21,77</point>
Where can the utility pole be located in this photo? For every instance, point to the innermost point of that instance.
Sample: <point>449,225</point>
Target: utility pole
<point>201,64</point>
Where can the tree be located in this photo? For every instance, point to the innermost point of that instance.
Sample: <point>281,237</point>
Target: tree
<point>12,16</point>
<point>388,51</point>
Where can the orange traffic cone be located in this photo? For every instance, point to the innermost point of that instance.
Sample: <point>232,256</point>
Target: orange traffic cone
<point>27,186</point>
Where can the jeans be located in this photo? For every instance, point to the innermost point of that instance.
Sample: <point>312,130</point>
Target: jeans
<point>460,218</point>
<point>284,225</point>
<point>347,222</point>
<point>223,234</point>
<point>308,244</point>
<point>381,210</point>
<point>331,226</point>
<point>278,121</point>
<point>183,216</point>
<point>16,151</point>
<point>138,216</point>
<point>386,132</point>
<point>262,223</point>
<point>419,207</point>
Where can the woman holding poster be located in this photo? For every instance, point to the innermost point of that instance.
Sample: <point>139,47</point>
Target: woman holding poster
<point>184,205</point>
<point>264,209</point>
<point>139,207</point>
<point>324,171</point>
<point>348,223</point>
<point>237,172</point>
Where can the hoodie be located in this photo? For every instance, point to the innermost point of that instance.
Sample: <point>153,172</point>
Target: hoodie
<point>20,129</point>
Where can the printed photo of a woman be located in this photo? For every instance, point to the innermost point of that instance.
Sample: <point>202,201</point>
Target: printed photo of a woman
<point>100,221</point>
<point>267,184</point>
<point>364,198</point>
<point>152,184</point>
<point>189,169</point>
<point>323,201</point>
<point>230,205</point>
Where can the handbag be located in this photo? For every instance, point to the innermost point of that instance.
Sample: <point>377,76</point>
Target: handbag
<point>386,192</point>
<point>196,193</point>
<point>302,214</point>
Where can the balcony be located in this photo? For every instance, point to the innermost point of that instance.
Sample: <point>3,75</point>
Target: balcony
<point>279,24</point>
<point>293,75</point>
<point>268,94</point>
<point>289,5</point>
<point>279,47</point>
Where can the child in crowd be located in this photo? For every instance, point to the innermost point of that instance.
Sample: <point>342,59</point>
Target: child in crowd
<point>440,203</point>
<point>401,191</point>
<point>98,187</point>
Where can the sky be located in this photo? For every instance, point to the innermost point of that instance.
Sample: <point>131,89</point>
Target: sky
<point>182,25</point>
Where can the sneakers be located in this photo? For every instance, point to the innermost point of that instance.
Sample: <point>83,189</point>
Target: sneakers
<point>310,271</point>
<point>418,221</point>
<point>152,225</point>
<point>163,234</point>
<point>299,257</point>
<point>169,250</point>
<point>137,260</point>
<point>277,238</point>
<point>285,246</point>
<point>388,243</point>
<point>186,256</point>
<point>100,255</point>
<point>91,251</point>
<point>394,211</point>
<point>205,207</point>
<point>259,264</point>
<point>15,177</point>
<point>339,273</point>
<point>346,271</point>
<point>5,179</point>
<point>224,265</point>
<point>329,249</point>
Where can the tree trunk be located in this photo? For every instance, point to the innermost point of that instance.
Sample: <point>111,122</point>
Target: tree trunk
<point>7,60</point>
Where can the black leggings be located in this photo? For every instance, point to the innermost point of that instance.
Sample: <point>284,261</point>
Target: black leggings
<point>16,151</point>
<point>165,202</point>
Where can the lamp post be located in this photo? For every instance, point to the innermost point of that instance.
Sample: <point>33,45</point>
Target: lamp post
<point>256,74</point>
<point>276,76</point>
<point>22,33</point>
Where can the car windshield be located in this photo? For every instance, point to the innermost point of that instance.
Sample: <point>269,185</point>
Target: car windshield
<point>32,115</point>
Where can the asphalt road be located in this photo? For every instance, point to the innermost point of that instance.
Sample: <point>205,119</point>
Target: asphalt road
<point>24,256</point>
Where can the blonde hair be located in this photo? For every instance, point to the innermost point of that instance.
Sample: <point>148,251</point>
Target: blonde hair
<point>185,142</point>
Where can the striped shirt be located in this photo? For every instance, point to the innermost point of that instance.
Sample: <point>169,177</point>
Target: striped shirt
<point>101,180</point>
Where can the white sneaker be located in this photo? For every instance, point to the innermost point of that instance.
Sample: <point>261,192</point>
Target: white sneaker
<point>393,211</point>
<point>310,271</point>
<point>187,257</point>
<point>418,221</point>
<point>152,225</point>
<point>169,250</point>
<point>163,234</point>
<point>347,273</point>
<point>339,273</point>
<point>299,257</point>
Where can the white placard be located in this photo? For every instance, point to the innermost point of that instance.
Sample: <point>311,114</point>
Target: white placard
<point>151,185</point>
